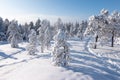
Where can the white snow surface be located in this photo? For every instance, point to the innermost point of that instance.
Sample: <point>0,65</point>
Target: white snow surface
<point>85,64</point>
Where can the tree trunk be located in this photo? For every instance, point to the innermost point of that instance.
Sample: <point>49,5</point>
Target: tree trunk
<point>112,44</point>
<point>96,40</point>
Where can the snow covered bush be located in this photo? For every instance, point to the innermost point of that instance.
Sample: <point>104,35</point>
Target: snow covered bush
<point>32,46</point>
<point>14,36</point>
<point>60,56</point>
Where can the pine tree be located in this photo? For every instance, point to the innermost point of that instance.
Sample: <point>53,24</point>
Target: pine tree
<point>37,25</point>
<point>48,35</point>
<point>41,36</point>
<point>60,56</point>
<point>14,36</point>
<point>26,29</point>
<point>32,46</point>
<point>81,29</point>
<point>68,29</point>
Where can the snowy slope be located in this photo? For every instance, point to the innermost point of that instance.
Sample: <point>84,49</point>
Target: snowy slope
<point>15,64</point>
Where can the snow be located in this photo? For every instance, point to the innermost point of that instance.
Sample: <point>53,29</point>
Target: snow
<point>85,63</point>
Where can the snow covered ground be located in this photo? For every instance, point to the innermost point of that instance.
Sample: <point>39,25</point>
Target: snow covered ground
<point>85,64</point>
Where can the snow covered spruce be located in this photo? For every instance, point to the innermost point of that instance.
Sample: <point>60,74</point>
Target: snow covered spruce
<point>32,46</point>
<point>44,36</point>
<point>60,56</point>
<point>14,35</point>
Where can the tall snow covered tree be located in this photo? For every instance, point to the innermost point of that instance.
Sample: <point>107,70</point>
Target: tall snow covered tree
<point>68,29</point>
<point>31,24</point>
<point>103,26</point>
<point>26,28</point>
<point>44,35</point>
<point>2,36</point>
<point>92,29</point>
<point>58,25</point>
<point>110,26</point>
<point>14,36</point>
<point>1,24</point>
<point>41,38</point>
<point>32,46</point>
<point>5,25</point>
<point>37,25</point>
<point>114,26</point>
<point>47,34</point>
<point>81,29</point>
<point>75,29</point>
<point>97,26</point>
<point>60,56</point>
<point>71,30</point>
<point>1,29</point>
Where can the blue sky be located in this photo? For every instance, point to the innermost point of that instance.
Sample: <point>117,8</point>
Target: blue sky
<point>71,9</point>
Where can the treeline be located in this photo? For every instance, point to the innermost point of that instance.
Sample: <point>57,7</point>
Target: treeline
<point>102,28</point>
<point>71,29</point>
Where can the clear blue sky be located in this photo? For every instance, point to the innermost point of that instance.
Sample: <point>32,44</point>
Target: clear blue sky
<point>75,8</point>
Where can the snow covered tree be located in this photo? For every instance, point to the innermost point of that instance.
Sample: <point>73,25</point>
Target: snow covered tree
<point>32,46</point>
<point>58,25</point>
<point>37,25</point>
<point>5,25</point>
<point>68,29</point>
<point>2,36</point>
<point>47,34</point>
<point>110,26</point>
<point>44,36</point>
<point>81,29</point>
<point>1,24</point>
<point>26,28</point>
<point>92,29</point>
<point>20,29</point>
<point>41,38</point>
<point>31,24</point>
<point>1,29</point>
<point>60,56</point>
<point>97,26</point>
<point>75,29</point>
<point>114,26</point>
<point>71,30</point>
<point>14,36</point>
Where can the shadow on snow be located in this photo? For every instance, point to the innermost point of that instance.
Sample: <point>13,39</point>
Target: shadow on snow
<point>87,63</point>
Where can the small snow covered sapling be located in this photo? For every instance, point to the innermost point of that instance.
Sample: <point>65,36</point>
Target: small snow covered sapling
<point>60,54</point>
<point>32,42</point>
